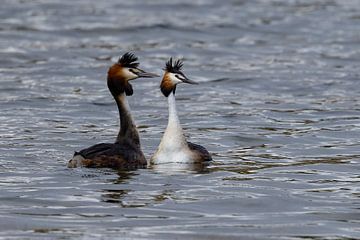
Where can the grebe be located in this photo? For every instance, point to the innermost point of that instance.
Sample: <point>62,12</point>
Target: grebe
<point>126,152</point>
<point>173,147</point>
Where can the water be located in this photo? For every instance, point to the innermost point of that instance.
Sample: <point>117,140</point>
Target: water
<point>278,106</point>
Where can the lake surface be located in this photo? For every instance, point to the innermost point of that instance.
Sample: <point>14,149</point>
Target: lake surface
<point>278,106</point>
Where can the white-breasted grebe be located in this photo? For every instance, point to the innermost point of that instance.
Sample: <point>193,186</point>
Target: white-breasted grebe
<point>126,152</point>
<point>173,147</point>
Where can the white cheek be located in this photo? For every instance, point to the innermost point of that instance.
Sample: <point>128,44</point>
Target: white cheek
<point>129,75</point>
<point>174,79</point>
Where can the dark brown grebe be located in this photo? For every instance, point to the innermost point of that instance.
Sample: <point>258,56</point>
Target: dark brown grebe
<point>173,147</point>
<point>126,152</point>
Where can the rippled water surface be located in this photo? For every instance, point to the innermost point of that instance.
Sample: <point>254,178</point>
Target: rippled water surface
<point>278,107</point>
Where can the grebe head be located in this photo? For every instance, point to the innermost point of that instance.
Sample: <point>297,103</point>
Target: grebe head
<point>125,70</point>
<point>173,76</point>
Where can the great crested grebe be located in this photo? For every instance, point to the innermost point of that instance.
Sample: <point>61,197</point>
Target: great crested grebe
<point>173,147</point>
<point>126,152</point>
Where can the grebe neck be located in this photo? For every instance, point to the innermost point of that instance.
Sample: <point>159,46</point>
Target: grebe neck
<point>174,131</point>
<point>173,146</point>
<point>173,116</point>
<point>128,131</point>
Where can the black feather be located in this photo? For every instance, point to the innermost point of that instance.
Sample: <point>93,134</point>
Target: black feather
<point>174,68</point>
<point>201,151</point>
<point>128,60</point>
<point>122,156</point>
<point>117,87</point>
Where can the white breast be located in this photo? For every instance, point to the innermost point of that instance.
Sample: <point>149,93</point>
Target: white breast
<point>173,146</point>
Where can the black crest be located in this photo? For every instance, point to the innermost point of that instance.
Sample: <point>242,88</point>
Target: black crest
<point>174,68</point>
<point>128,60</point>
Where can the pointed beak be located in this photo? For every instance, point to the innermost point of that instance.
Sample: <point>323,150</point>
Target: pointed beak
<point>144,74</point>
<point>186,80</point>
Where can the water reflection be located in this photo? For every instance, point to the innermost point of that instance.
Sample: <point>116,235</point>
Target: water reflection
<point>178,168</point>
<point>124,176</point>
<point>117,195</point>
